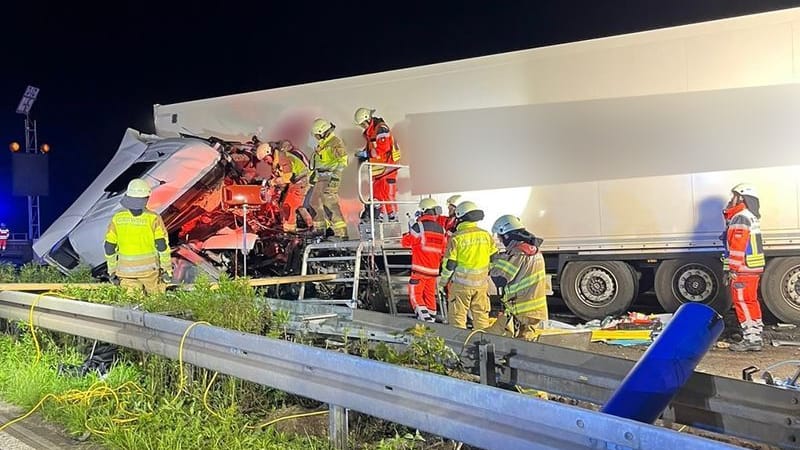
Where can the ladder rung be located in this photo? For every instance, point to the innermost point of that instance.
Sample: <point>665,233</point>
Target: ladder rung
<point>342,280</point>
<point>331,258</point>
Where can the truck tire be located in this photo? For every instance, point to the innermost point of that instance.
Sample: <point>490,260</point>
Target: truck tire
<point>596,289</point>
<point>680,281</point>
<point>780,288</point>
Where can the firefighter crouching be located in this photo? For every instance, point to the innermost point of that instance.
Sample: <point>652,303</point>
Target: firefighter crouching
<point>744,263</point>
<point>330,160</point>
<point>426,239</point>
<point>519,274</point>
<point>466,267</point>
<point>136,246</point>
<point>289,172</point>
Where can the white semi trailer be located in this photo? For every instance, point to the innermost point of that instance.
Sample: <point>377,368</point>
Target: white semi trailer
<point>619,152</point>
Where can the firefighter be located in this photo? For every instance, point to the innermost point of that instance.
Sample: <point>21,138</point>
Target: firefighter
<point>5,233</point>
<point>744,263</point>
<point>380,148</point>
<point>329,161</point>
<point>136,246</point>
<point>519,275</point>
<point>466,267</point>
<point>290,172</point>
<point>426,239</point>
<point>450,222</point>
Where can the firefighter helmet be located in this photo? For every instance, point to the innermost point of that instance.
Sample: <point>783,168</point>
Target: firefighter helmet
<point>2,225</point>
<point>427,203</point>
<point>138,188</point>
<point>453,200</point>
<point>263,150</point>
<point>363,115</point>
<point>745,189</point>
<point>320,127</point>
<point>465,207</point>
<point>507,223</point>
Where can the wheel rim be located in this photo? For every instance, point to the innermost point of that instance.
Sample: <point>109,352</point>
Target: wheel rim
<point>596,286</point>
<point>790,287</point>
<point>694,283</point>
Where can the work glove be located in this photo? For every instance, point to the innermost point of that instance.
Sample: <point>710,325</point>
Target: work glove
<point>362,155</point>
<point>166,277</point>
<point>411,221</point>
<point>334,183</point>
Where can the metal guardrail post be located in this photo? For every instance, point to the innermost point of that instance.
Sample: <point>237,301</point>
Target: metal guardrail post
<point>338,427</point>
<point>487,367</point>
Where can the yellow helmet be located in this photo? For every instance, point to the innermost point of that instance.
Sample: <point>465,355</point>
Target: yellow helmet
<point>363,115</point>
<point>427,203</point>
<point>464,208</point>
<point>263,150</point>
<point>320,127</point>
<point>138,188</point>
<point>453,200</point>
<point>507,223</point>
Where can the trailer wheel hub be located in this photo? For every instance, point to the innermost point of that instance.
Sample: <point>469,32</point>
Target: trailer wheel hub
<point>791,286</point>
<point>695,284</point>
<point>596,287</point>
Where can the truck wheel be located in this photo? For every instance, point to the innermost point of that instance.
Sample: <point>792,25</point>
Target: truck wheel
<point>596,289</point>
<point>680,281</point>
<point>780,288</point>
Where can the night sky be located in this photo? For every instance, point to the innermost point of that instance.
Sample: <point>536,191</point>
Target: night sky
<point>101,69</point>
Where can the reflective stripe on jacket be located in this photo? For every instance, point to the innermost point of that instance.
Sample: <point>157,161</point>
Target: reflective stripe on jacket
<point>744,246</point>
<point>523,268</point>
<point>4,234</point>
<point>427,242</point>
<point>381,147</point>
<point>469,250</point>
<point>330,155</point>
<point>291,169</point>
<point>135,240</point>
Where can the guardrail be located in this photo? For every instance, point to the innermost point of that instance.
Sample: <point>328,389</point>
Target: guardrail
<point>719,404</point>
<point>475,414</point>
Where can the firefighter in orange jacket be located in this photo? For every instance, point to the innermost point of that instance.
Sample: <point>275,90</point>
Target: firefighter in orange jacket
<point>426,239</point>
<point>744,263</point>
<point>380,148</point>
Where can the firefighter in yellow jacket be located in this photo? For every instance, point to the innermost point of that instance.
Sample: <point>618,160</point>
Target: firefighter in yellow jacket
<point>137,245</point>
<point>330,159</point>
<point>465,266</point>
<point>519,273</point>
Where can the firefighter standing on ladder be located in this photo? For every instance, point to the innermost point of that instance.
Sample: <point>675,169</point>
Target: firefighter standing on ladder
<point>5,233</point>
<point>380,148</point>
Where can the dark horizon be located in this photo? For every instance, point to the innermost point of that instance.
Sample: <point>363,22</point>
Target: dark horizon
<point>101,71</point>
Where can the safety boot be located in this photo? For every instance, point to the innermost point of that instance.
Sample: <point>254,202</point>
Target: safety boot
<point>746,346</point>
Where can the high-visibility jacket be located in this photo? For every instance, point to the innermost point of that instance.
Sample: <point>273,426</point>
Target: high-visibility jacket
<point>427,242</point>
<point>522,268</point>
<point>289,168</point>
<point>381,147</point>
<point>135,252</point>
<point>330,157</point>
<point>5,233</point>
<point>466,259</point>
<point>744,249</point>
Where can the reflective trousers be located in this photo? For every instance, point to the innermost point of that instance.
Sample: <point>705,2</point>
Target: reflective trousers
<point>325,200</point>
<point>3,244</point>
<point>744,294</point>
<point>422,292</point>
<point>461,298</point>
<point>292,204</point>
<point>384,189</point>
<point>150,284</point>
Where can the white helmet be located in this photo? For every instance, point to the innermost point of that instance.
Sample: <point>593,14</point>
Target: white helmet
<point>745,189</point>
<point>263,150</point>
<point>320,127</point>
<point>138,188</point>
<point>453,200</point>
<point>464,208</point>
<point>427,203</point>
<point>507,223</point>
<point>363,115</point>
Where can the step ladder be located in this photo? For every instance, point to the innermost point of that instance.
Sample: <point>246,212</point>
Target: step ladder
<point>342,258</point>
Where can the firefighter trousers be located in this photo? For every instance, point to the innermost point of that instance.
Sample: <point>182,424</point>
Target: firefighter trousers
<point>293,204</point>
<point>150,284</point>
<point>744,294</point>
<point>325,201</point>
<point>422,292</point>
<point>3,244</point>
<point>384,189</point>
<point>462,298</point>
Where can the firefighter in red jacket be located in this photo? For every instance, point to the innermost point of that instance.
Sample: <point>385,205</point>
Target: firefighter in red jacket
<point>451,222</point>
<point>426,239</point>
<point>5,233</point>
<point>744,263</point>
<point>380,148</point>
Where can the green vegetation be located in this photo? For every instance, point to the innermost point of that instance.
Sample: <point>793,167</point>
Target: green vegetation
<point>135,405</point>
